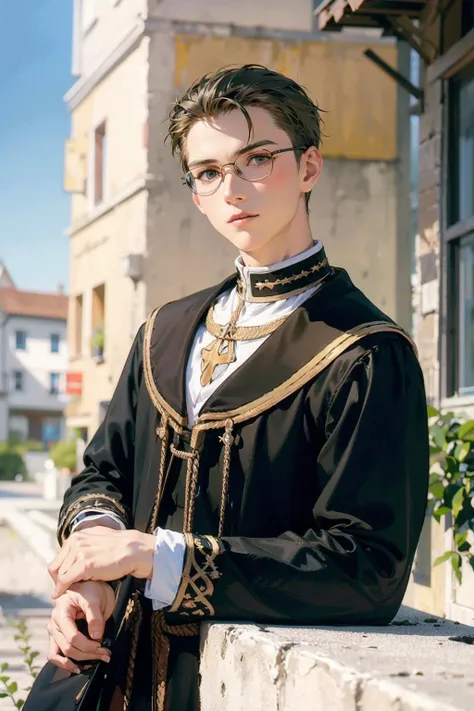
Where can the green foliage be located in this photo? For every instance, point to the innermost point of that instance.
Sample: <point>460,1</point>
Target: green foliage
<point>63,454</point>
<point>16,443</point>
<point>22,637</point>
<point>97,341</point>
<point>451,488</point>
<point>11,462</point>
<point>32,445</point>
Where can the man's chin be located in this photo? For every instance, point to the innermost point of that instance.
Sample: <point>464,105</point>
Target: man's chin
<point>247,241</point>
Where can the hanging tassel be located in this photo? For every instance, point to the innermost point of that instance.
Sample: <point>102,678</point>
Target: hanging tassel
<point>161,632</point>
<point>192,474</point>
<point>228,440</point>
<point>133,618</point>
<point>163,433</point>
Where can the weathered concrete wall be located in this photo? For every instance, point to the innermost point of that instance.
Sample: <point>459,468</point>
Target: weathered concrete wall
<point>336,75</point>
<point>428,240</point>
<point>412,665</point>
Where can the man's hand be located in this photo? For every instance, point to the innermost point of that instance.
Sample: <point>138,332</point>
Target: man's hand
<point>92,601</point>
<point>101,553</point>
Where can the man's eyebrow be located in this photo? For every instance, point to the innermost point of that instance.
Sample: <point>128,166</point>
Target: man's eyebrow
<point>241,151</point>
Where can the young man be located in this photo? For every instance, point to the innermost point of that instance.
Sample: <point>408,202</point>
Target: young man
<point>265,455</point>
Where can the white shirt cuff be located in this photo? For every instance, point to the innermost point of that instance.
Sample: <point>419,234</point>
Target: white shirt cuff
<point>95,517</point>
<point>168,561</point>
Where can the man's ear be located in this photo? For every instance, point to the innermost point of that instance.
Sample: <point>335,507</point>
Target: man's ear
<point>311,167</point>
<point>198,204</point>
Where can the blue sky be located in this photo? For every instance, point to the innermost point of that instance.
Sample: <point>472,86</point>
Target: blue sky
<point>35,73</point>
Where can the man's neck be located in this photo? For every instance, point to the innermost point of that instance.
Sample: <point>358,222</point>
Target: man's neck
<point>294,239</point>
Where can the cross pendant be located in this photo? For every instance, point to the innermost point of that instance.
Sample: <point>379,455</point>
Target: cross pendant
<point>219,352</point>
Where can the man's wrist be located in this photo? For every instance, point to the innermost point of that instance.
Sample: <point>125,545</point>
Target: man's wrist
<point>142,550</point>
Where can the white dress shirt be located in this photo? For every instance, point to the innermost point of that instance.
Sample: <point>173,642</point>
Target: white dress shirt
<point>170,545</point>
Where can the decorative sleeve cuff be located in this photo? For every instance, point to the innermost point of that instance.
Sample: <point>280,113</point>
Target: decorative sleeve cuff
<point>194,597</point>
<point>170,548</point>
<point>95,517</point>
<point>103,502</point>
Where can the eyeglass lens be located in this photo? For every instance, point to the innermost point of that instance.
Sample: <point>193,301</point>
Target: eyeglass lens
<point>251,167</point>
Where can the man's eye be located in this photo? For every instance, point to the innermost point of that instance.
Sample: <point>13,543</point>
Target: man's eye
<point>206,176</point>
<point>258,159</point>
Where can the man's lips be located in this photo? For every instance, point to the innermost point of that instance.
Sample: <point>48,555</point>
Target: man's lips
<point>240,216</point>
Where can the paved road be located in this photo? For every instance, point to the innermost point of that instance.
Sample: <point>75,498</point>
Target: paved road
<point>25,585</point>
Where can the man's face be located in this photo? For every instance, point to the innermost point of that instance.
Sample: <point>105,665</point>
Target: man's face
<point>274,202</point>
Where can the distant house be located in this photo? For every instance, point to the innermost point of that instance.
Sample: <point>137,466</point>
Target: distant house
<point>33,362</point>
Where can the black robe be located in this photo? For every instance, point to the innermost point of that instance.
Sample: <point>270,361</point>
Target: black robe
<point>322,438</point>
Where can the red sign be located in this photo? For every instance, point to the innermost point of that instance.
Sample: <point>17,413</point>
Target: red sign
<point>74,383</point>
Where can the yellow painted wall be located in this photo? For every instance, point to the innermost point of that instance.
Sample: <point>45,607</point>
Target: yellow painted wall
<point>97,249</point>
<point>120,100</point>
<point>360,100</point>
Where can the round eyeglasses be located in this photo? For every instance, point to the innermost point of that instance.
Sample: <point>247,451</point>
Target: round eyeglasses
<point>255,166</point>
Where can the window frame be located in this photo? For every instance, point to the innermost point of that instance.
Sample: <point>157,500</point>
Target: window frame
<point>17,347</point>
<point>456,234</point>
<point>53,391</point>
<point>55,336</point>
<point>21,375</point>
<point>99,168</point>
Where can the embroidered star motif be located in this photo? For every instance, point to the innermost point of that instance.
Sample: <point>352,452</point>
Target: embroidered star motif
<point>267,284</point>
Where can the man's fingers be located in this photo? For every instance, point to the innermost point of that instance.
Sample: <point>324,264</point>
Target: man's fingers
<point>73,637</point>
<point>67,578</point>
<point>95,620</point>
<point>71,651</point>
<point>53,567</point>
<point>55,657</point>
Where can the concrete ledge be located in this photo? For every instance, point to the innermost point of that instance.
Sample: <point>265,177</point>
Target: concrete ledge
<point>412,665</point>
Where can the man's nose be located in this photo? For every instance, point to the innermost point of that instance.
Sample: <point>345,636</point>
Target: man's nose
<point>233,185</point>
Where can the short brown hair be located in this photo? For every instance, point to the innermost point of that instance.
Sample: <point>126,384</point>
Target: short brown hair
<point>238,87</point>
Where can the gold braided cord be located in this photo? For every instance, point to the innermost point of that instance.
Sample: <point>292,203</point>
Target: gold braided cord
<point>228,440</point>
<point>193,490</point>
<point>133,618</point>
<point>240,333</point>
<point>176,421</point>
<point>161,649</point>
<point>192,473</point>
<point>163,433</point>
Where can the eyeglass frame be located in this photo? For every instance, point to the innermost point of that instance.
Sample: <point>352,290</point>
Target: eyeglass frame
<point>272,155</point>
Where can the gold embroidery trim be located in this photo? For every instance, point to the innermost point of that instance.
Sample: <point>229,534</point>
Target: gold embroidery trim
<point>177,422</point>
<point>214,420</point>
<point>321,360</point>
<point>267,284</point>
<point>197,585</point>
<point>75,507</point>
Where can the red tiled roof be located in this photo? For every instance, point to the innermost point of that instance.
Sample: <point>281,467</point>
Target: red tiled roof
<point>31,303</point>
